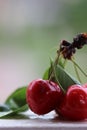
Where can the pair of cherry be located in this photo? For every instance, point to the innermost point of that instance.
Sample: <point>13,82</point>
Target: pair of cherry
<point>44,96</point>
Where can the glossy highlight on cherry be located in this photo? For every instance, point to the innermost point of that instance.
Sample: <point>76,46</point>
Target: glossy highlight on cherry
<point>74,105</point>
<point>43,96</point>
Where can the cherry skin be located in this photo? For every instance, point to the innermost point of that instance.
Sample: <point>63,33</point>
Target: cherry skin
<point>84,85</point>
<point>74,105</point>
<point>43,95</point>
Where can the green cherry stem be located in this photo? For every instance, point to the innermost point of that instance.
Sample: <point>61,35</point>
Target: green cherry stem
<point>57,58</point>
<point>79,67</point>
<point>56,61</point>
<point>77,73</point>
<point>54,71</point>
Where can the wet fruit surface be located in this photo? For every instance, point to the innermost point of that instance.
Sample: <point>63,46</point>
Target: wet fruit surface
<point>43,96</point>
<point>74,105</point>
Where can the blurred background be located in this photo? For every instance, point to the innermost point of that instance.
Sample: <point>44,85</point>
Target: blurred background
<point>30,31</point>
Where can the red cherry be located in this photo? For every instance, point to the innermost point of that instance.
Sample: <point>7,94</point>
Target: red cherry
<point>84,85</point>
<point>43,95</point>
<point>74,105</point>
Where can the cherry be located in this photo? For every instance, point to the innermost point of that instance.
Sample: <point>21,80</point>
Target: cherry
<point>43,95</point>
<point>85,85</point>
<point>74,105</point>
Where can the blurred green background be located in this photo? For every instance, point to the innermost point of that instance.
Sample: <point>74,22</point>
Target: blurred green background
<point>30,32</point>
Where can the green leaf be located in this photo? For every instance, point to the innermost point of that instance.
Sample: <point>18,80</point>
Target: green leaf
<point>11,113</point>
<point>60,76</point>
<point>4,107</point>
<point>46,74</point>
<point>15,104</point>
<point>17,99</point>
<point>63,77</point>
<point>50,69</point>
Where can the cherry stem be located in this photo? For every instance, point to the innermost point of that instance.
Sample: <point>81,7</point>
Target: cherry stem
<point>55,63</point>
<point>77,73</point>
<point>54,71</point>
<point>57,58</point>
<point>79,67</point>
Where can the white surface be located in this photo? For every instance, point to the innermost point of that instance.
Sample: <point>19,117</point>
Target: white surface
<point>47,122</point>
